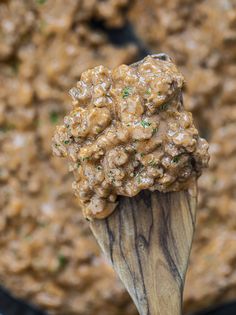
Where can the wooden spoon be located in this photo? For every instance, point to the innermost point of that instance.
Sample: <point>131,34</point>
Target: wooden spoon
<point>148,241</point>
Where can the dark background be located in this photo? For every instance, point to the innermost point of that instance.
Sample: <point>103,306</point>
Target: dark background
<point>12,306</point>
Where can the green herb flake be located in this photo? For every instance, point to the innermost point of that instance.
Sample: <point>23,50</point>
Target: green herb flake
<point>15,64</point>
<point>54,117</point>
<point>139,179</point>
<point>145,123</point>
<point>126,92</point>
<point>163,107</point>
<point>159,93</point>
<point>7,127</point>
<point>42,224</point>
<point>62,261</point>
<point>41,1</point>
<point>142,154</point>
<point>66,141</point>
<point>86,158</point>
<point>36,122</point>
<point>176,159</point>
<point>99,167</point>
<point>154,130</point>
<point>28,237</point>
<point>148,91</point>
<point>214,180</point>
<point>42,25</point>
<point>153,163</point>
<point>78,164</point>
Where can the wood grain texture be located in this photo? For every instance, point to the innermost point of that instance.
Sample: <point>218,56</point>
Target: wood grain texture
<point>148,240</point>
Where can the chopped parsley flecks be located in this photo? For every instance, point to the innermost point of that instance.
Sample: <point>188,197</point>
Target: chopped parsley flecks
<point>54,117</point>
<point>111,176</point>
<point>42,224</point>
<point>138,176</point>
<point>145,123</point>
<point>78,164</point>
<point>42,25</point>
<point>214,180</point>
<point>62,260</point>
<point>126,92</point>
<point>36,122</point>
<point>153,163</point>
<point>163,107</point>
<point>139,179</point>
<point>142,154</point>
<point>176,158</point>
<point>41,1</point>
<point>148,91</point>
<point>28,237</point>
<point>154,130</point>
<point>86,158</point>
<point>15,64</point>
<point>7,127</point>
<point>67,141</point>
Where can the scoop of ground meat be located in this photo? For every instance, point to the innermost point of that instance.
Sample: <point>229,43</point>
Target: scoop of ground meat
<point>129,131</point>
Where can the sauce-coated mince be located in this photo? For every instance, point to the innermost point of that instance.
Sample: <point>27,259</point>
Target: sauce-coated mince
<point>129,131</point>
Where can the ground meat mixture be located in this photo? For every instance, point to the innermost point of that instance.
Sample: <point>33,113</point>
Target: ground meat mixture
<point>201,35</point>
<point>48,256</point>
<point>128,131</point>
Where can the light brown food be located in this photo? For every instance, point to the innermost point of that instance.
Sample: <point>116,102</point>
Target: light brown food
<point>201,35</point>
<point>128,131</point>
<point>46,59</point>
<point>48,256</point>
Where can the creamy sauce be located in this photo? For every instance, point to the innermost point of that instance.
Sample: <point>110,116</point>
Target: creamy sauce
<point>40,224</point>
<point>128,131</point>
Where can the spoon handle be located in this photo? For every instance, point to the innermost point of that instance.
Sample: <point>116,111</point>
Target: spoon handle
<point>148,240</point>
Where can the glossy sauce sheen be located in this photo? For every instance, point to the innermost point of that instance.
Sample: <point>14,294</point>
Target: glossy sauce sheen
<point>128,131</point>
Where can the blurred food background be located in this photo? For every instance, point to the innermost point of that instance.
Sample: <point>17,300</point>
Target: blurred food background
<point>48,256</point>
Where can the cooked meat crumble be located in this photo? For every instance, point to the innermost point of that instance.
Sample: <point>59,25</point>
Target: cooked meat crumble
<point>129,131</point>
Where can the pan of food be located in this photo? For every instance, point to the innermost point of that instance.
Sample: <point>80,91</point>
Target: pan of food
<point>49,257</point>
